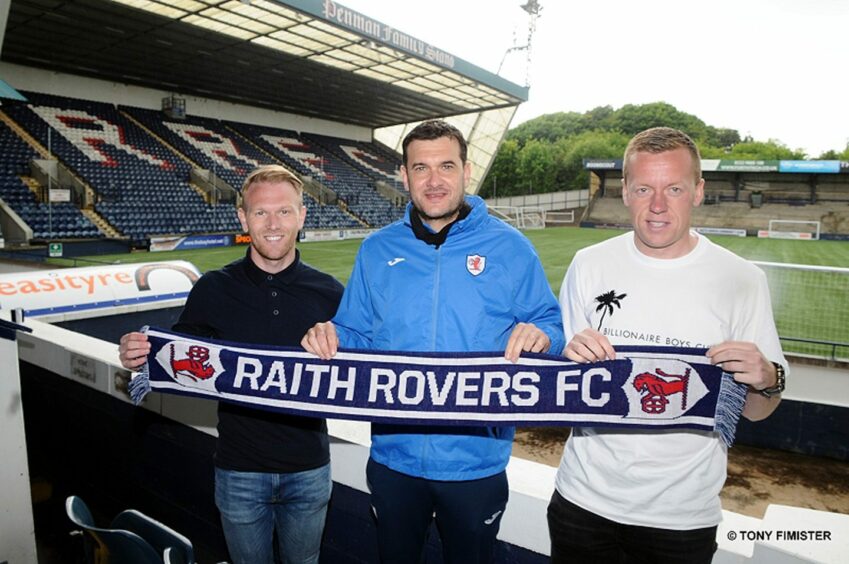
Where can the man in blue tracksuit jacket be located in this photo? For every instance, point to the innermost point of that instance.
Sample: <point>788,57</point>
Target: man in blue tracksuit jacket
<point>448,277</point>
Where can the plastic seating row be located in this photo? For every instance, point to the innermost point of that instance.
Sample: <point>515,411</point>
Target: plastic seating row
<point>131,538</point>
<point>126,172</point>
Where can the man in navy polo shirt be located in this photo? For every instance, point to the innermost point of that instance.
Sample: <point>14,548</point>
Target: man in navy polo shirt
<point>272,471</point>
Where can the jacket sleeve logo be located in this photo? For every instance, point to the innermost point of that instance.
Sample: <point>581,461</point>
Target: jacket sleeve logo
<point>475,264</point>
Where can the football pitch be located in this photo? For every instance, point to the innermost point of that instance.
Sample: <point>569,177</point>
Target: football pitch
<point>556,247</point>
<point>807,305</point>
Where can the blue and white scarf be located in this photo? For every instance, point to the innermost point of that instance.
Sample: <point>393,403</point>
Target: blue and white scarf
<point>645,387</point>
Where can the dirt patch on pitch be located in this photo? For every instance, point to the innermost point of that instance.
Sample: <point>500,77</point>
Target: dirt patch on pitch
<point>756,477</point>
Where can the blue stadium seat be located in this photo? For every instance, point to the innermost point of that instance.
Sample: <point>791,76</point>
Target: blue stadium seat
<point>109,546</point>
<point>161,537</point>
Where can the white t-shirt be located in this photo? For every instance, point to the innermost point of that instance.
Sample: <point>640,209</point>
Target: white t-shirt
<point>667,479</point>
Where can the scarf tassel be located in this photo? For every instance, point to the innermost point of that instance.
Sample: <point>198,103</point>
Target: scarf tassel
<point>729,406</point>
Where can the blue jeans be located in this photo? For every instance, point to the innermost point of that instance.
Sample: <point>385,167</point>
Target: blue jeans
<point>254,504</point>
<point>579,536</point>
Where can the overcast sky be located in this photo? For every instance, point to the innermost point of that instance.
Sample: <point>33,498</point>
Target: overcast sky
<point>772,69</point>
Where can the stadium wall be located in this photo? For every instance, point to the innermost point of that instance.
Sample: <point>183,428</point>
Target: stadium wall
<point>550,201</point>
<point>61,84</point>
<point>609,210</point>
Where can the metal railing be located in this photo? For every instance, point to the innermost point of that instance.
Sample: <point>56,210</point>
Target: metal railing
<point>834,345</point>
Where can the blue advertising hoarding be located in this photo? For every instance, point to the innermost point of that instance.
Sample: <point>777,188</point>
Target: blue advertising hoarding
<point>819,167</point>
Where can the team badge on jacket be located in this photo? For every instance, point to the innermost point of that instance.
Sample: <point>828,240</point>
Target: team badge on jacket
<point>475,264</point>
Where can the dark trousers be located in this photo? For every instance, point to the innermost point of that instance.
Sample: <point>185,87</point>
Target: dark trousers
<point>468,515</point>
<point>578,535</point>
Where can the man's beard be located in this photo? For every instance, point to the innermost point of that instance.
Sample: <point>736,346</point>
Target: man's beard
<point>446,215</point>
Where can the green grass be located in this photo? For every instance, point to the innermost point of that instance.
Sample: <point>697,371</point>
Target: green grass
<point>334,257</point>
<point>807,305</point>
<point>556,247</point>
<point>812,311</point>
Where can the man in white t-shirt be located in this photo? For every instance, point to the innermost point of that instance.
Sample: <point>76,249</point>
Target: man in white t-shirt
<point>653,496</point>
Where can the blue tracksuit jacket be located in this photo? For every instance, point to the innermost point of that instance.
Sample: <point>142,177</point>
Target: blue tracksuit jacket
<point>467,295</point>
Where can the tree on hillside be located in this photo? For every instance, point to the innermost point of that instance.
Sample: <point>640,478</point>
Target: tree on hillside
<point>763,150</point>
<point>600,117</point>
<point>551,127</point>
<point>590,145</point>
<point>499,179</point>
<point>711,152</point>
<point>520,170</point>
<point>540,166</point>
<point>721,137</point>
<point>537,169</point>
<point>546,153</point>
<point>630,119</point>
<point>833,155</point>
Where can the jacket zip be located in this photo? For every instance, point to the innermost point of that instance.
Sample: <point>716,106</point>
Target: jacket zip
<point>433,334</point>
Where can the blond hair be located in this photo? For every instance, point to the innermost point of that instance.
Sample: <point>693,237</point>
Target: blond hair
<point>274,174</point>
<point>660,140</point>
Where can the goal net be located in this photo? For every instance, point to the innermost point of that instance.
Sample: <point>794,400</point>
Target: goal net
<point>520,217</point>
<point>811,308</point>
<point>508,214</point>
<point>792,229</point>
<point>531,218</point>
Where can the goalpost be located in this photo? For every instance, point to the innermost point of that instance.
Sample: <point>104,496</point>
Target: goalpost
<point>507,214</point>
<point>531,217</point>
<point>559,218</point>
<point>520,217</point>
<point>792,229</point>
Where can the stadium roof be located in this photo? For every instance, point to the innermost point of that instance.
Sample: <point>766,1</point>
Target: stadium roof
<point>307,57</point>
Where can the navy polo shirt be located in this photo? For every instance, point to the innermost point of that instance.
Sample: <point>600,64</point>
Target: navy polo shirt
<point>244,304</point>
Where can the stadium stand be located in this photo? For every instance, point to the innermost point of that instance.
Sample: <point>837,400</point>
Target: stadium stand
<point>292,151</point>
<point>736,215</point>
<point>371,158</point>
<point>61,220</point>
<point>206,142</point>
<point>230,150</point>
<point>750,205</point>
<point>358,186</point>
<point>140,184</point>
<point>312,158</point>
<point>139,161</point>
